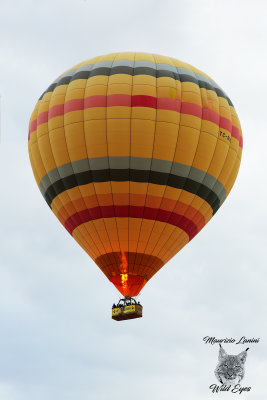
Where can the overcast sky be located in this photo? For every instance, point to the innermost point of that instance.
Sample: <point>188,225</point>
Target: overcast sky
<point>57,339</point>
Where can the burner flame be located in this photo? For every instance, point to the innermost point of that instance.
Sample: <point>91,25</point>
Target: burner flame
<point>124,270</point>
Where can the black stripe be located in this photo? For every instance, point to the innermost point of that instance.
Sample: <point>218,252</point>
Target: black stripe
<point>189,78</point>
<point>123,175</point>
<point>106,71</point>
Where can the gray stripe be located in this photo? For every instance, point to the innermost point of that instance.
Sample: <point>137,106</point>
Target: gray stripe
<point>138,163</point>
<point>198,76</point>
<point>98,163</point>
<point>80,166</point>
<point>184,71</point>
<point>123,63</point>
<point>119,162</point>
<point>135,163</point>
<point>147,64</point>
<point>159,166</point>
<point>221,190</point>
<point>136,64</point>
<point>87,67</point>
<point>180,169</point>
<point>68,73</point>
<point>42,187</point>
<point>45,183</point>
<point>211,82</point>
<point>196,175</point>
<point>54,175</point>
<point>103,64</point>
<point>204,79</point>
<point>65,170</point>
<point>210,181</point>
<point>167,67</point>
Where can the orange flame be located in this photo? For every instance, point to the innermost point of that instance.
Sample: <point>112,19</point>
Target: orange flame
<point>124,270</point>
<point>124,278</point>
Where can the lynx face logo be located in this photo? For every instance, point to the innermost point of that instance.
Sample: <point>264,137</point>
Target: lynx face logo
<point>230,369</point>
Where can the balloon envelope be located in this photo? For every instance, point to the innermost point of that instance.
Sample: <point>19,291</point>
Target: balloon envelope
<point>134,153</point>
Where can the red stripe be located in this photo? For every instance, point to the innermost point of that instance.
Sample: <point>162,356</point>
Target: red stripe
<point>138,101</point>
<point>191,109</point>
<point>56,111</point>
<point>210,115</point>
<point>32,128</point>
<point>236,134</point>
<point>169,104</point>
<point>144,101</point>
<point>95,101</point>
<point>73,105</point>
<point>42,118</point>
<point>118,100</point>
<point>133,212</point>
<point>226,124</point>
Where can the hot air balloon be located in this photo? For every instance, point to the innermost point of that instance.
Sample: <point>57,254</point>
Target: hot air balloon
<point>134,153</point>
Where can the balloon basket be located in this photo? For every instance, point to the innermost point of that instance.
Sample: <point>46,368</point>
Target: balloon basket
<point>127,308</point>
